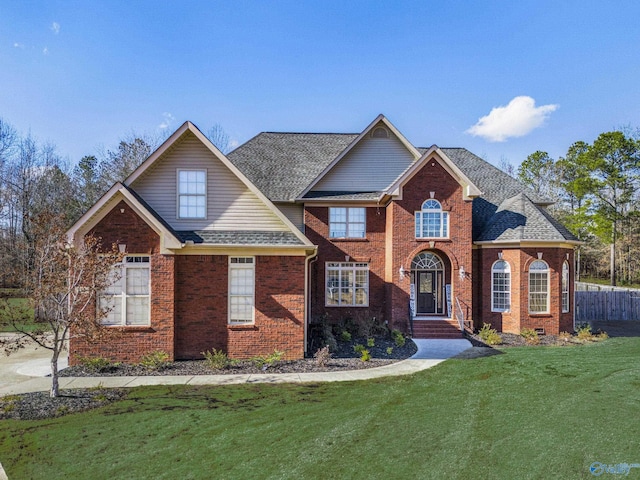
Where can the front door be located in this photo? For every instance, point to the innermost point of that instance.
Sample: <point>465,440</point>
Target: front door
<point>427,288</point>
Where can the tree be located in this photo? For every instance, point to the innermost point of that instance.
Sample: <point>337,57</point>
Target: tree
<point>118,165</point>
<point>538,173</point>
<point>613,162</point>
<point>87,183</point>
<point>219,138</point>
<point>62,287</point>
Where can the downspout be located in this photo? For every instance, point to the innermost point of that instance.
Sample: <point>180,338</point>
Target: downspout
<point>307,298</point>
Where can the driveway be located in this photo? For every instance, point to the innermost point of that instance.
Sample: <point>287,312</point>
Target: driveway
<point>26,363</point>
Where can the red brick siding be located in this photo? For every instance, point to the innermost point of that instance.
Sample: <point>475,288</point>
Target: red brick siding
<point>201,311</point>
<point>519,317</point>
<point>402,246</point>
<point>370,249</point>
<point>130,343</point>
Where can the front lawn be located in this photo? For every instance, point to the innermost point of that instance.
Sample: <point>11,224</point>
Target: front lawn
<point>18,309</point>
<point>527,412</point>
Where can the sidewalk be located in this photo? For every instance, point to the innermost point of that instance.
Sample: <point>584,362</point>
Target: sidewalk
<point>430,353</point>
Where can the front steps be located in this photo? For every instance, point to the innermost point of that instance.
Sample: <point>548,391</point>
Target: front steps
<point>436,329</point>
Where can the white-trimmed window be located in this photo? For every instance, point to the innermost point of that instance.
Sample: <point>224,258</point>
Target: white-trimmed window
<point>431,221</point>
<point>347,222</point>
<point>126,300</point>
<point>565,287</point>
<point>347,284</point>
<point>539,287</point>
<point>192,194</point>
<point>242,287</point>
<point>500,287</point>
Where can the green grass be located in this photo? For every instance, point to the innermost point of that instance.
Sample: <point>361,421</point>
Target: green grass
<point>530,412</point>
<point>18,306</point>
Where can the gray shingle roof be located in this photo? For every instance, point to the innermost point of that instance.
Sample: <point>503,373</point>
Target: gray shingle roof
<point>519,219</point>
<point>283,165</point>
<point>215,237</point>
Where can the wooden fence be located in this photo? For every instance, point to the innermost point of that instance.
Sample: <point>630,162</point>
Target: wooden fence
<point>607,305</point>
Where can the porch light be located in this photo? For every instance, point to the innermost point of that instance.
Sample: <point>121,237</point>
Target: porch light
<point>122,247</point>
<point>402,272</point>
<point>462,273</point>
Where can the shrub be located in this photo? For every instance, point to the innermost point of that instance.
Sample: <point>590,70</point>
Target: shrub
<point>371,342</point>
<point>345,336</point>
<point>156,360</point>
<point>565,336</point>
<point>216,359</point>
<point>97,364</point>
<point>489,335</point>
<point>389,350</point>
<point>398,338</point>
<point>265,361</point>
<point>603,336</point>
<point>322,356</point>
<point>584,333</point>
<point>530,336</point>
<point>365,356</point>
<point>358,348</point>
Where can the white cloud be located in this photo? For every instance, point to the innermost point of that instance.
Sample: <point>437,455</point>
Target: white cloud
<point>55,28</point>
<point>45,51</point>
<point>517,119</point>
<point>18,45</point>
<point>168,120</point>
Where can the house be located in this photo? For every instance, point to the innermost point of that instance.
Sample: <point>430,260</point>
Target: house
<point>240,252</point>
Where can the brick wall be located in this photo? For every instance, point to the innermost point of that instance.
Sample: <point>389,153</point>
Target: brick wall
<point>128,344</point>
<point>519,317</point>
<point>370,249</point>
<point>402,246</point>
<point>201,308</point>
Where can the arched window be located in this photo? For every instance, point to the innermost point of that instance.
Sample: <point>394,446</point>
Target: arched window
<point>565,287</point>
<point>427,261</point>
<point>431,221</point>
<point>500,287</point>
<point>539,287</point>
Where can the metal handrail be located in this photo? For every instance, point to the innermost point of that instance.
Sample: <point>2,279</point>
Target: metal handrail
<point>460,315</point>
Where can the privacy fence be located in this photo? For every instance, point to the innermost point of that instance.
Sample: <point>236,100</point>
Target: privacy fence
<point>605,303</point>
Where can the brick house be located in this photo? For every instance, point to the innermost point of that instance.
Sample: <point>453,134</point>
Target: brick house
<point>240,252</point>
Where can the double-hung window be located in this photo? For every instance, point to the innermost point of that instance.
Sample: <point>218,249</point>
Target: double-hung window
<point>347,284</point>
<point>431,221</point>
<point>242,286</point>
<point>565,287</point>
<point>126,300</point>
<point>347,222</point>
<point>539,287</point>
<point>500,287</point>
<point>192,193</point>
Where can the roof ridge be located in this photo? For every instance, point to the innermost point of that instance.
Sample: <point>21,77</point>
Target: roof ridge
<point>311,133</point>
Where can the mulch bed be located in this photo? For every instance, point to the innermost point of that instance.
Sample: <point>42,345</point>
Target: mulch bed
<point>34,406</point>
<point>344,358</point>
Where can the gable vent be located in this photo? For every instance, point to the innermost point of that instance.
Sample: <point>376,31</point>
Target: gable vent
<point>379,132</point>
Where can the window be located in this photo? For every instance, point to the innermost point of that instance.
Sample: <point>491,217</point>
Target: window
<point>347,284</point>
<point>192,193</point>
<point>500,287</point>
<point>431,221</point>
<point>126,300</point>
<point>565,287</point>
<point>539,287</point>
<point>242,282</point>
<point>347,222</point>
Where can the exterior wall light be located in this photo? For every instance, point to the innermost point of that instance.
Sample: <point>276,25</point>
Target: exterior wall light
<point>462,273</point>
<point>402,272</point>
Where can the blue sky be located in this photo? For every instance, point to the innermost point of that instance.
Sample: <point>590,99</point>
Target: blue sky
<point>503,79</point>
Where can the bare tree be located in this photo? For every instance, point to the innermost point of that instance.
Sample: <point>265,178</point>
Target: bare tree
<point>219,138</point>
<point>62,287</point>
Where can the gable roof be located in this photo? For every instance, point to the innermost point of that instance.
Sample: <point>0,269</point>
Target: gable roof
<point>379,119</point>
<point>282,165</point>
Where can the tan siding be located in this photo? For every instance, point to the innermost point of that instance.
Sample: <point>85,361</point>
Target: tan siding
<point>230,203</point>
<point>294,212</point>
<point>370,166</point>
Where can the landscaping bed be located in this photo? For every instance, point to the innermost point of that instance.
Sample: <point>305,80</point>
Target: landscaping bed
<point>344,357</point>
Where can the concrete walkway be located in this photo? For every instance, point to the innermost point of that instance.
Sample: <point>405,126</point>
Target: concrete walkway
<point>24,371</point>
